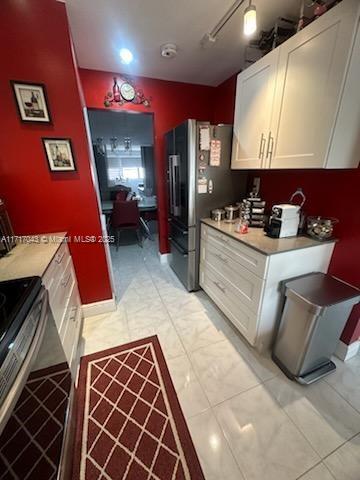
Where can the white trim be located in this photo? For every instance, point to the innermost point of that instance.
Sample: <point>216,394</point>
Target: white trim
<point>95,182</point>
<point>164,258</point>
<point>97,308</point>
<point>345,352</point>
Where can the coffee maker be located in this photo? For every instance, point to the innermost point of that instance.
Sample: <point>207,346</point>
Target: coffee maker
<point>284,221</point>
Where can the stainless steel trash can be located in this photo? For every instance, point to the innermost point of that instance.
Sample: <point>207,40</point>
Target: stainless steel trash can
<point>316,309</point>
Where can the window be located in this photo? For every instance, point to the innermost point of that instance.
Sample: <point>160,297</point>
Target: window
<point>133,172</point>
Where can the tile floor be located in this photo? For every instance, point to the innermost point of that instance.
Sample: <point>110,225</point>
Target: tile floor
<point>246,419</point>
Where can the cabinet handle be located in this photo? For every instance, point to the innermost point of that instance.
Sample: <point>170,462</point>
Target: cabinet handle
<point>73,314</point>
<point>220,287</point>
<point>270,147</point>
<point>65,282</point>
<point>222,239</point>
<point>220,257</point>
<point>262,147</point>
<point>60,257</point>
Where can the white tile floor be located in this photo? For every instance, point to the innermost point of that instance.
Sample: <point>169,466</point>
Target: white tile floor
<point>246,419</point>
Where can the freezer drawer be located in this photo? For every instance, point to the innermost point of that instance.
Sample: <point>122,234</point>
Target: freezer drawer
<point>183,264</point>
<point>182,235</point>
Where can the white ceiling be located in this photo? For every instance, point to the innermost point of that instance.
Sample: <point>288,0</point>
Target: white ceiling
<point>101,27</point>
<point>137,126</point>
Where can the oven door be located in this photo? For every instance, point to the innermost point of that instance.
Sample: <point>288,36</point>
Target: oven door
<point>35,412</point>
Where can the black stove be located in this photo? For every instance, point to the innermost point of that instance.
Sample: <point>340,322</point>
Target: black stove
<point>16,299</point>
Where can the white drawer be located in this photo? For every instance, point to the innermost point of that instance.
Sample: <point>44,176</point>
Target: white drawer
<point>53,274</point>
<point>240,253</point>
<point>225,295</point>
<point>59,298</point>
<point>248,285</point>
<point>72,323</point>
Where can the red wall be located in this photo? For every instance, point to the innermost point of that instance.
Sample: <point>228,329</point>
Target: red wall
<point>332,193</point>
<point>35,46</point>
<point>172,103</point>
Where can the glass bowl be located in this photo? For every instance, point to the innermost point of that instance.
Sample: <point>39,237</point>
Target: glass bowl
<point>321,228</point>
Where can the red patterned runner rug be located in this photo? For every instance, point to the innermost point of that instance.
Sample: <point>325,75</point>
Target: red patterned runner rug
<point>130,425</point>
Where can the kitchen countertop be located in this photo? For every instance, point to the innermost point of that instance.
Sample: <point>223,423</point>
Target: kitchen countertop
<point>257,239</point>
<point>31,256</point>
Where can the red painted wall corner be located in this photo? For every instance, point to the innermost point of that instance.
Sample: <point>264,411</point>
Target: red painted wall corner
<point>35,46</point>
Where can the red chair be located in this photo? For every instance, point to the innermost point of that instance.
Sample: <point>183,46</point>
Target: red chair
<point>121,196</point>
<point>125,216</point>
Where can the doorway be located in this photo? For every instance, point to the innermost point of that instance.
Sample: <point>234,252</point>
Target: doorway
<point>123,147</point>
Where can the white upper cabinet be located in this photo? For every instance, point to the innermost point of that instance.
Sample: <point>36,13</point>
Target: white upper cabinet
<point>254,102</point>
<point>315,111</point>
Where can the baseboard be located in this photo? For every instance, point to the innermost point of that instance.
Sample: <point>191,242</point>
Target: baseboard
<point>165,258</point>
<point>97,308</point>
<point>345,352</point>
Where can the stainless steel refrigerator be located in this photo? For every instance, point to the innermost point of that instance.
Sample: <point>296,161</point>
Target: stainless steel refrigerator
<point>199,180</point>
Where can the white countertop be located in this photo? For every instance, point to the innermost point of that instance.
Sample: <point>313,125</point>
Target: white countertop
<point>257,239</point>
<point>31,256</point>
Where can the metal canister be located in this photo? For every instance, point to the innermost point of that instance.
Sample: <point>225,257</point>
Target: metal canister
<point>218,214</point>
<point>231,212</point>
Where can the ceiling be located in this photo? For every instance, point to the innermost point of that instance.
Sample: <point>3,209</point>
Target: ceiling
<point>100,28</point>
<point>106,124</point>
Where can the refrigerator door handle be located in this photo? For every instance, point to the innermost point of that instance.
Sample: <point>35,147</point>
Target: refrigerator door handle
<point>171,181</point>
<point>175,184</point>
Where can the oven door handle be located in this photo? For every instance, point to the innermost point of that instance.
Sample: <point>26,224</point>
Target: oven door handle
<point>14,393</point>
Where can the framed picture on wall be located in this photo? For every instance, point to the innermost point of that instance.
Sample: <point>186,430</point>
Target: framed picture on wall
<point>59,154</point>
<point>31,101</point>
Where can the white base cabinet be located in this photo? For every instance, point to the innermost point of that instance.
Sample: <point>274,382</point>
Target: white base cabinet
<point>302,99</point>
<point>245,284</point>
<point>60,281</point>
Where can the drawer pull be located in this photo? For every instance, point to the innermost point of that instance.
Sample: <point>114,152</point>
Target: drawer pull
<point>73,314</point>
<point>221,257</point>
<point>220,287</point>
<point>222,238</point>
<point>60,257</point>
<point>65,282</point>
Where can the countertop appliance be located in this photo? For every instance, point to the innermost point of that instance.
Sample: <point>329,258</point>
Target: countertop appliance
<point>199,180</point>
<point>35,385</point>
<point>316,309</point>
<point>284,221</point>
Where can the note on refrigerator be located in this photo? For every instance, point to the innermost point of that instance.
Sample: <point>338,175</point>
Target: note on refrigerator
<point>204,137</point>
<point>215,153</point>
<point>202,185</point>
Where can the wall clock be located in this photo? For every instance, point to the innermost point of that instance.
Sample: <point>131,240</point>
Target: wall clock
<point>127,91</point>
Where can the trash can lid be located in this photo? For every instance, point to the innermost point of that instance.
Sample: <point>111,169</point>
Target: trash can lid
<point>322,289</point>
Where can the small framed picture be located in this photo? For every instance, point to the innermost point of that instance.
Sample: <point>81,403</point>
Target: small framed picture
<point>31,101</point>
<point>59,154</point>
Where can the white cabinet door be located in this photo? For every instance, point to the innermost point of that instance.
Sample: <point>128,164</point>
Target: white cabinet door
<point>253,109</point>
<point>310,76</point>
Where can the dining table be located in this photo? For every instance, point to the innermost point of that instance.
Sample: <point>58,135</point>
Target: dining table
<point>145,204</point>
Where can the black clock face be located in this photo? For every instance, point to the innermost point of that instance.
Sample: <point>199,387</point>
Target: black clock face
<point>127,92</point>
